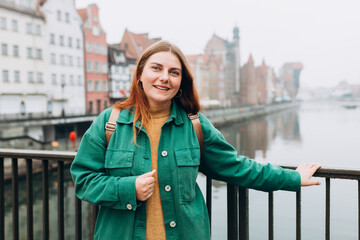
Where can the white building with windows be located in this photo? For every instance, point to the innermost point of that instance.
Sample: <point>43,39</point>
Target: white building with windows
<point>65,61</point>
<point>119,73</point>
<point>23,56</point>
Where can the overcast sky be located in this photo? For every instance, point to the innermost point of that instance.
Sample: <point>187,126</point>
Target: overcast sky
<point>322,34</point>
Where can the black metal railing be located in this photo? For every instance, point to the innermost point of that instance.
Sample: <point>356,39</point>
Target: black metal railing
<point>237,197</point>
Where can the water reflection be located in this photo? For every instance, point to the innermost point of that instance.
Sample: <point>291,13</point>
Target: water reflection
<point>322,133</point>
<point>255,136</point>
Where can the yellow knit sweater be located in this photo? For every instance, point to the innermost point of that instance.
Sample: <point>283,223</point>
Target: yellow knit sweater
<point>155,227</point>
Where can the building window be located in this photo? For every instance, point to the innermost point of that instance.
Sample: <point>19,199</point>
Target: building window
<point>97,67</point>
<point>30,77</point>
<point>78,43</point>
<point>104,50</point>
<point>53,79</point>
<point>71,61</point>
<point>90,107</point>
<point>79,81</point>
<point>5,75</point>
<point>70,42</point>
<point>38,30</point>
<point>62,60</point>
<point>2,23</point>
<point>52,38</point>
<point>89,66</point>
<point>53,58</point>
<point>58,15</point>
<point>40,78</point>
<point>17,76</point>
<point>29,52</point>
<point>78,61</point>
<point>97,86</point>
<point>106,104</point>
<point>38,53</point>
<point>61,40</point>
<point>4,49</point>
<point>71,79</point>
<point>63,79</point>
<point>96,48</point>
<point>28,28</point>
<point>98,105</point>
<point>90,86</point>
<point>104,68</point>
<point>105,86</point>
<point>126,46</point>
<point>16,51</point>
<point>88,47</point>
<point>67,17</point>
<point>14,25</point>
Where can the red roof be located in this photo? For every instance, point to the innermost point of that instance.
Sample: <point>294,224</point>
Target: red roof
<point>83,14</point>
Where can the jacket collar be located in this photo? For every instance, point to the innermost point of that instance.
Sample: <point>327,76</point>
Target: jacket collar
<point>126,116</point>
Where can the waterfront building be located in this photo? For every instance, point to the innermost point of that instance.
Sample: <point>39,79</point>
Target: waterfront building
<point>249,87</point>
<point>290,76</point>
<point>135,44</point>
<point>23,56</point>
<point>65,58</point>
<point>224,68</point>
<point>96,61</point>
<point>119,73</point>
<point>200,71</point>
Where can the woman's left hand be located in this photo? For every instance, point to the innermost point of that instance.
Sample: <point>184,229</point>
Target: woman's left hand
<point>306,171</point>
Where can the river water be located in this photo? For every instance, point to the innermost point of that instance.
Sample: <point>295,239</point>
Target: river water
<point>320,132</point>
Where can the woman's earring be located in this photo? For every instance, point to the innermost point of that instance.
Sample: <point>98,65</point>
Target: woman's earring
<point>179,95</point>
<point>140,84</point>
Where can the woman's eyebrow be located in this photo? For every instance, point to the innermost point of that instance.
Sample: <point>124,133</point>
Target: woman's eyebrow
<point>159,64</point>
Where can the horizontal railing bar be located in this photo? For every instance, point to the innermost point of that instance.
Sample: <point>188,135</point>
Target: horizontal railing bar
<point>37,154</point>
<point>330,171</point>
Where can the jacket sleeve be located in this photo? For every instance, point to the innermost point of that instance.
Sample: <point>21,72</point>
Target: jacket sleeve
<point>220,161</point>
<point>92,183</point>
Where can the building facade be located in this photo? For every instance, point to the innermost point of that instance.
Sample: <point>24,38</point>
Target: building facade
<point>224,68</point>
<point>119,73</point>
<point>23,85</point>
<point>290,76</point>
<point>65,58</point>
<point>96,61</point>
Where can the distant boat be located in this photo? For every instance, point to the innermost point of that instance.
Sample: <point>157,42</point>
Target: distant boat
<point>350,106</point>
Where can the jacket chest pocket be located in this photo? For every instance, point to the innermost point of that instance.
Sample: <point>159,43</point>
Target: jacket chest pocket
<point>188,161</point>
<point>119,162</point>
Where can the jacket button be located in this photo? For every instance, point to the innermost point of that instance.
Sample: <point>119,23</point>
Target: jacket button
<point>128,206</point>
<point>167,188</point>
<point>164,153</point>
<point>172,224</point>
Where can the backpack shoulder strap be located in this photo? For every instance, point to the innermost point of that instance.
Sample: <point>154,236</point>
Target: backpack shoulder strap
<point>110,126</point>
<point>198,129</point>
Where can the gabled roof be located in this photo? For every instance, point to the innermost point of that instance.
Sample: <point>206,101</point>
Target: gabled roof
<point>83,14</point>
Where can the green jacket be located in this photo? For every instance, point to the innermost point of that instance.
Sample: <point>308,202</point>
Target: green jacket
<point>106,175</point>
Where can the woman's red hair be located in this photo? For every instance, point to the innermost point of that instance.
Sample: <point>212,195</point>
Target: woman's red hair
<point>188,100</point>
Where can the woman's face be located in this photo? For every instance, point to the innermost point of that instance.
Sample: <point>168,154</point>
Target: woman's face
<point>161,78</point>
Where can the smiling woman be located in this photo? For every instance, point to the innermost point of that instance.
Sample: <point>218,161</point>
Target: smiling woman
<point>144,179</point>
<point>161,78</point>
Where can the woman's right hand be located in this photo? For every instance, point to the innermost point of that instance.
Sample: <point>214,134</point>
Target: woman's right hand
<point>144,185</point>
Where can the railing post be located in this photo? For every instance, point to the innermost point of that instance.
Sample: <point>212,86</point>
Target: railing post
<point>209,197</point>
<point>78,222</point>
<point>327,217</point>
<point>15,199</point>
<point>61,229</point>
<point>298,215</point>
<point>233,212</point>
<point>271,216</point>
<point>2,200</point>
<point>45,188</point>
<point>243,213</point>
<point>29,193</point>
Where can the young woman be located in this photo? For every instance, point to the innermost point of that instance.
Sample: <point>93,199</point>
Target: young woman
<point>145,179</point>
